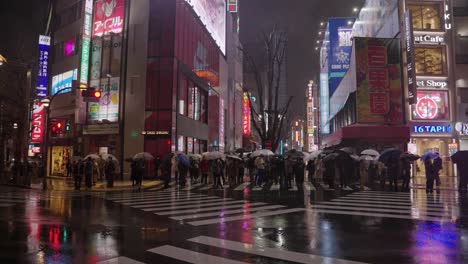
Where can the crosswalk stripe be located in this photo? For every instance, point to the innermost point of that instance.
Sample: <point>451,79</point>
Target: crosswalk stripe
<point>394,201</point>
<point>197,210</point>
<point>169,199</point>
<point>120,260</point>
<point>402,199</point>
<point>191,187</point>
<point>416,207</point>
<point>226,212</point>
<point>376,215</point>
<point>244,217</point>
<point>405,198</point>
<point>158,197</point>
<point>208,187</point>
<point>373,201</point>
<point>274,187</point>
<point>176,207</point>
<point>408,195</point>
<point>242,186</point>
<point>148,194</point>
<point>191,256</point>
<point>194,202</point>
<point>379,210</point>
<point>294,187</point>
<point>6,205</point>
<point>286,255</point>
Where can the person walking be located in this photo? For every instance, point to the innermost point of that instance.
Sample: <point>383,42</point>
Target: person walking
<point>88,172</point>
<point>133,172</point>
<point>311,171</point>
<point>140,170</point>
<point>364,174</point>
<point>109,168</point>
<point>194,170</point>
<point>299,170</point>
<point>437,164</point>
<point>405,173</point>
<point>69,168</point>
<point>76,174</point>
<point>216,168</point>
<point>429,169</point>
<point>240,175</point>
<point>260,165</point>
<point>205,169</point>
<point>156,164</point>
<point>183,170</point>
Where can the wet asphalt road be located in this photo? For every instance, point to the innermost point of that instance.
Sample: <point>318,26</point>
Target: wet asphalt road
<point>234,225</point>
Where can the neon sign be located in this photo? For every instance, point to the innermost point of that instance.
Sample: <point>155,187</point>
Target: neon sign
<point>447,16</point>
<point>246,115</point>
<point>109,17</point>
<point>38,119</point>
<point>432,129</point>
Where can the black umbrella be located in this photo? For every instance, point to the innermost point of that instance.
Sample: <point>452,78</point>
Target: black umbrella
<point>331,156</point>
<point>460,156</point>
<point>410,156</point>
<point>389,153</point>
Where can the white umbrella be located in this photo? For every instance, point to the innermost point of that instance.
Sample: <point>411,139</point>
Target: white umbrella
<point>233,157</point>
<point>107,156</point>
<point>366,157</point>
<point>370,152</point>
<point>354,157</point>
<point>264,152</point>
<point>314,155</point>
<point>348,150</point>
<point>213,155</point>
<point>143,155</point>
<point>92,156</point>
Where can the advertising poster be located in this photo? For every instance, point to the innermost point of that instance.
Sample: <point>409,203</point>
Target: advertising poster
<point>340,50</point>
<point>86,42</point>
<point>42,73</point>
<point>108,106</point>
<point>108,17</point>
<point>37,123</point>
<point>379,92</point>
<point>63,80</point>
<point>60,157</point>
<point>212,14</point>
<point>431,105</point>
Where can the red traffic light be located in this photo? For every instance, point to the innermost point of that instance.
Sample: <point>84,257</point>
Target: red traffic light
<point>97,94</point>
<point>91,95</point>
<point>59,125</point>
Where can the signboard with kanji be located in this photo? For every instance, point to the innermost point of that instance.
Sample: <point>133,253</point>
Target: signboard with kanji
<point>379,97</point>
<point>42,74</point>
<point>246,115</point>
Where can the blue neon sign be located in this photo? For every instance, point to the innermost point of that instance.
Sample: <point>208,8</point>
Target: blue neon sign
<point>432,129</point>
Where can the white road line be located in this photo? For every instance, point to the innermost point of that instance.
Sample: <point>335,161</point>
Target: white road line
<point>437,219</point>
<point>120,260</point>
<point>413,207</point>
<point>157,209</point>
<point>170,199</point>
<point>378,210</point>
<point>208,187</point>
<point>403,198</point>
<point>380,202</point>
<point>395,200</point>
<point>256,188</point>
<point>194,202</point>
<point>247,210</point>
<point>149,194</point>
<point>274,253</point>
<point>242,186</point>
<point>197,210</point>
<point>6,205</point>
<point>156,198</point>
<point>191,187</point>
<point>274,187</point>
<point>244,217</point>
<point>191,256</point>
<point>294,187</point>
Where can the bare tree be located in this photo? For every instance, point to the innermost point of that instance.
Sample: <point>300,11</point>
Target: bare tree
<point>268,116</point>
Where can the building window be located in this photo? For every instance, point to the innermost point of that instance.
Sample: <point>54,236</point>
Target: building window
<point>430,60</point>
<point>192,100</point>
<point>426,17</point>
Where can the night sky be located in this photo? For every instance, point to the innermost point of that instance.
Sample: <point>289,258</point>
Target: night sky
<point>301,19</point>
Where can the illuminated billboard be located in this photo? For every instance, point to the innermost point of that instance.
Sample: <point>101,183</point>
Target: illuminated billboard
<point>212,13</point>
<point>108,17</point>
<point>246,115</point>
<point>108,106</point>
<point>431,105</point>
<point>42,74</point>
<point>63,80</point>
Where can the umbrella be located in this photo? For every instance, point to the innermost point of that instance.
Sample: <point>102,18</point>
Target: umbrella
<point>264,152</point>
<point>92,156</point>
<point>294,154</point>
<point>107,156</point>
<point>183,159</point>
<point>410,156</point>
<point>354,157</point>
<point>460,156</point>
<point>348,150</point>
<point>213,155</point>
<point>429,155</point>
<point>331,156</point>
<point>195,156</point>
<point>388,153</point>
<point>314,155</point>
<point>366,157</point>
<point>143,155</point>
<point>240,150</point>
<point>370,152</point>
<point>233,157</point>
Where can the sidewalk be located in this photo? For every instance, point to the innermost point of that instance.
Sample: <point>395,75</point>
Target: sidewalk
<point>67,184</point>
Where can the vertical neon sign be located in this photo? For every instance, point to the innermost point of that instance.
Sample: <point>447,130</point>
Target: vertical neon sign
<point>86,42</point>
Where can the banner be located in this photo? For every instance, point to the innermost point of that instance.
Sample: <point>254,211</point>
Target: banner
<point>246,115</point>
<point>108,106</point>
<point>411,72</point>
<point>86,42</point>
<point>42,74</point>
<point>379,94</point>
<point>37,123</point>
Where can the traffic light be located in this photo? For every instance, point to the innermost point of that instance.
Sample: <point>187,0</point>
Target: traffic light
<point>67,126</point>
<point>91,95</point>
<point>57,128</point>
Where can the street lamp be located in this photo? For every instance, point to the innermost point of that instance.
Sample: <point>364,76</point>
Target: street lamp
<point>2,60</point>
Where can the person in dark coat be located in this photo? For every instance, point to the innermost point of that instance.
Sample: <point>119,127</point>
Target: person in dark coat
<point>329,173</point>
<point>240,175</point>
<point>183,170</point>
<point>88,172</point>
<point>393,171</point>
<point>405,173</point>
<point>76,174</point>
<point>157,164</point>
<point>110,171</point>
<point>311,170</point>
<point>437,164</point>
<point>299,169</point>
<point>205,169</point>
<point>133,172</point>
<point>429,175</point>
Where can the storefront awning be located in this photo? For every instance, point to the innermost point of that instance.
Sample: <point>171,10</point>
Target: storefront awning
<point>369,133</point>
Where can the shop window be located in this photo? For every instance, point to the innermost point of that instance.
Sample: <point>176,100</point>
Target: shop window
<point>190,143</point>
<point>426,17</point>
<point>191,101</point>
<point>183,95</point>
<point>181,143</point>
<point>430,60</point>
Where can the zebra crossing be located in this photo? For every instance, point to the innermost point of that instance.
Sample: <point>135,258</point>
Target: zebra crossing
<point>199,209</point>
<point>193,254</point>
<point>413,206</point>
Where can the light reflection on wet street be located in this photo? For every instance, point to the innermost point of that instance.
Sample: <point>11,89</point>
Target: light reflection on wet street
<point>233,226</point>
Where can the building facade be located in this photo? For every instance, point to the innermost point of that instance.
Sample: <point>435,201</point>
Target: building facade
<point>169,79</point>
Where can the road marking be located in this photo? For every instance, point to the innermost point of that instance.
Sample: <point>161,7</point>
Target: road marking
<point>208,187</point>
<point>274,253</point>
<point>191,187</point>
<point>120,260</point>
<point>378,215</point>
<point>176,207</point>
<point>157,197</point>
<point>380,210</point>
<point>373,201</point>
<point>196,210</point>
<point>247,210</point>
<point>191,256</point>
<point>168,200</point>
<point>7,205</point>
<point>245,217</point>
<point>193,202</point>
<point>414,207</point>
<point>274,187</point>
<point>242,186</point>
